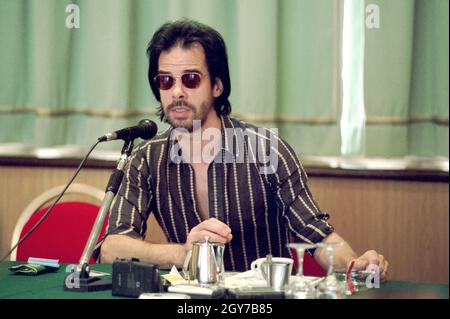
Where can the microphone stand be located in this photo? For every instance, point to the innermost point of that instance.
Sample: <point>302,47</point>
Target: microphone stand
<point>79,278</point>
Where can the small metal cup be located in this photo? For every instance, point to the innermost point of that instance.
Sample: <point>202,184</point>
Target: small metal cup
<point>277,274</point>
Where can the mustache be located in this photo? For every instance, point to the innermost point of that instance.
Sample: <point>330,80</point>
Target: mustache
<point>180,102</point>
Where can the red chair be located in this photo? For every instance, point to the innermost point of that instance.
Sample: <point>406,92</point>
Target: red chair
<point>64,232</point>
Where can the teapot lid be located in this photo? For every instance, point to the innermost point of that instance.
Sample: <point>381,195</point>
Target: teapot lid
<point>207,241</point>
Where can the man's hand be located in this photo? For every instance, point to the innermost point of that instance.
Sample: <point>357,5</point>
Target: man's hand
<point>371,257</point>
<point>214,228</point>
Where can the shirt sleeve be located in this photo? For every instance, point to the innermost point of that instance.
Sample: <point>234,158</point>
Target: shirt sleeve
<point>303,217</point>
<point>131,208</point>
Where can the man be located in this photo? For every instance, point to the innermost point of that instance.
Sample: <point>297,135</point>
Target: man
<point>199,187</point>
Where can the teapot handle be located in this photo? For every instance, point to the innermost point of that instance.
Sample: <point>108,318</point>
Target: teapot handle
<point>186,272</point>
<point>218,260</point>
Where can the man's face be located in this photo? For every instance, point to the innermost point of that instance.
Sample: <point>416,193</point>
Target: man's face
<point>182,105</point>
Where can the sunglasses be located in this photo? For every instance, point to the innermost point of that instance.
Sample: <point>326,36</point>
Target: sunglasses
<point>191,80</point>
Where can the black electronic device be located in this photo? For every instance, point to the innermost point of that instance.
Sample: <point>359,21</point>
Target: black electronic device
<point>132,277</point>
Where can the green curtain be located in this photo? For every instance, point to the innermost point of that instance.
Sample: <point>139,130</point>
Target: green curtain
<point>406,79</point>
<point>61,86</point>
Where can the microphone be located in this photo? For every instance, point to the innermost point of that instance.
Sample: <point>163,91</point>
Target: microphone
<point>145,129</point>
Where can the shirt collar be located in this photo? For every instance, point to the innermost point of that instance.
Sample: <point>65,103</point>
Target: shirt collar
<point>227,139</point>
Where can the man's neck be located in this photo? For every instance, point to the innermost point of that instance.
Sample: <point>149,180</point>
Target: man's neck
<point>203,143</point>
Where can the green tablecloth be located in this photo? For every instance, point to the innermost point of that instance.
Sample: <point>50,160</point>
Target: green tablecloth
<point>45,286</point>
<point>51,286</point>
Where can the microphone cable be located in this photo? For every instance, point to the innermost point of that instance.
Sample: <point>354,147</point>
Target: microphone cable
<point>53,204</point>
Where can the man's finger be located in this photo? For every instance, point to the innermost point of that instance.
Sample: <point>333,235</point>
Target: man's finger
<point>213,237</point>
<point>216,226</point>
<point>383,274</point>
<point>361,263</point>
<point>381,262</point>
<point>370,257</point>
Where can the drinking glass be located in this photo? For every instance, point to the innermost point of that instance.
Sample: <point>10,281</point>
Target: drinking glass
<point>300,287</point>
<point>358,279</point>
<point>330,287</point>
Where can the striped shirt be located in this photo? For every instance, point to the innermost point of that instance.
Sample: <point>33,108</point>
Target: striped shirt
<point>265,205</point>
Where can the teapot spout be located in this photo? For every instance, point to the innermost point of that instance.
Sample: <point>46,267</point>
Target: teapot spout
<point>187,274</point>
<point>218,254</point>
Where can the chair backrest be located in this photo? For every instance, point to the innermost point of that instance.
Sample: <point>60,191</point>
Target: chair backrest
<point>64,232</point>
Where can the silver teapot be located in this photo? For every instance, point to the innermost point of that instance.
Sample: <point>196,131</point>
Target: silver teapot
<point>204,262</point>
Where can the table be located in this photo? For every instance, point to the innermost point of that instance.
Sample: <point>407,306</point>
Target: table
<point>51,286</point>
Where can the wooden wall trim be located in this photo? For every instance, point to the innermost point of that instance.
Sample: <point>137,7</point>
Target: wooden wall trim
<point>421,175</point>
<point>406,174</point>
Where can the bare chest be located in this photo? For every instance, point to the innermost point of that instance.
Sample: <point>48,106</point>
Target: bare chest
<point>201,189</point>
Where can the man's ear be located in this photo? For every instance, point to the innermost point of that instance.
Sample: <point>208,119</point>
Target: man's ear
<point>217,88</point>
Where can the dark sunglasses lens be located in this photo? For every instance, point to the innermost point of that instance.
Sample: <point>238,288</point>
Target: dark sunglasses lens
<point>191,80</point>
<point>164,82</point>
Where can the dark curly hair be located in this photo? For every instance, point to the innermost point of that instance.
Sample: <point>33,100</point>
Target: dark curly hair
<point>185,33</point>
